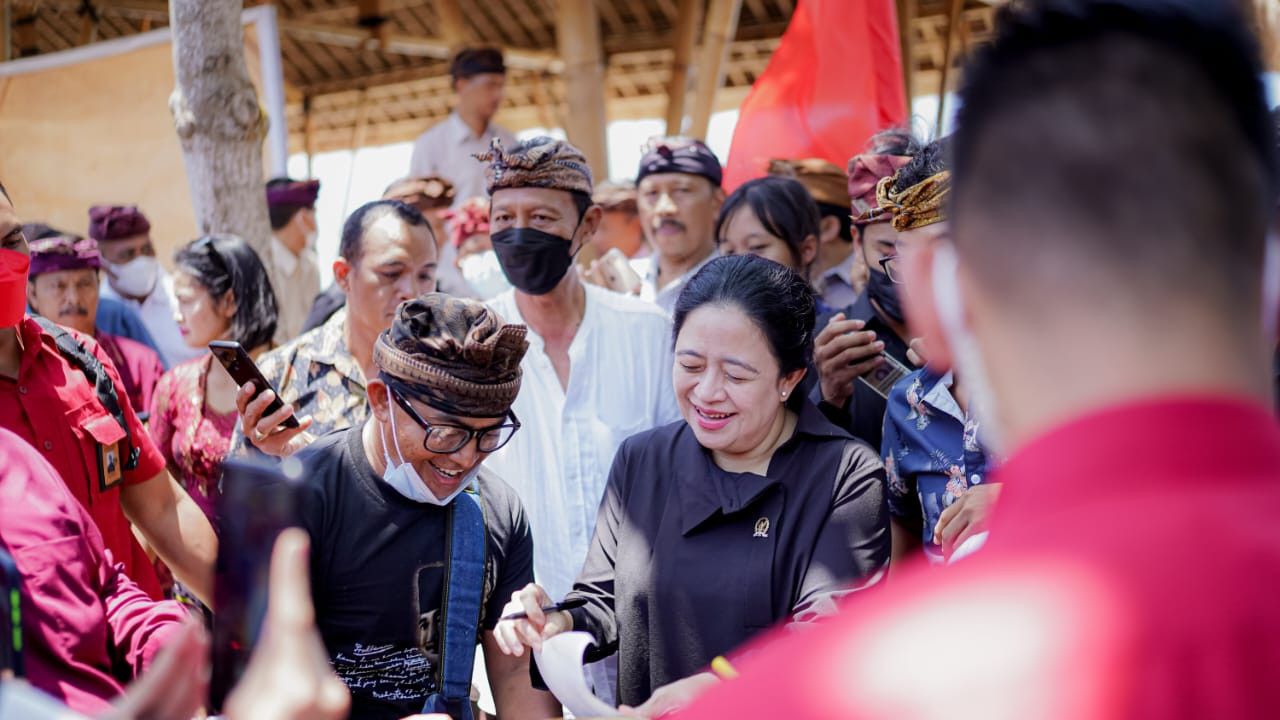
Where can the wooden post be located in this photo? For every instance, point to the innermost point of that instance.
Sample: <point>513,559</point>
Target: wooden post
<point>452,26</point>
<point>907,45</point>
<point>578,35</point>
<point>722,26</point>
<point>308,134</point>
<point>219,121</point>
<point>690,13</point>
<point>957,7</point>
<point>1266,18</point>
<point>7,50</point>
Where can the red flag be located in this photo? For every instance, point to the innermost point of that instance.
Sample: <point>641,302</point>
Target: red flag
<point>834,81</point>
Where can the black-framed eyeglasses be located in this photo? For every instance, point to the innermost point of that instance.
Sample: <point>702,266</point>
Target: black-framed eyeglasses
<point>890,266</point>
<point>445,438</point>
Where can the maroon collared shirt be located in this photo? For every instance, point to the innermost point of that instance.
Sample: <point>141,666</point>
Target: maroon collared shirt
<point>54,409</point>
<point>83,619</point>
<point>1131,572</point>
<point>139,367</point>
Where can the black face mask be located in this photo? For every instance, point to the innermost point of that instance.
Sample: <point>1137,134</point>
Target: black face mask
<point>533,261</point>
<point>881,289</point>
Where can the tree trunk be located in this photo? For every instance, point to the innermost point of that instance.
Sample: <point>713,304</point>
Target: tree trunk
<point>219,121</point>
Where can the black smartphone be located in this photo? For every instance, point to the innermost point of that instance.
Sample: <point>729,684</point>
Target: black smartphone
<point>259,499</point>
<point>243,370</point>
<point>10,617</point>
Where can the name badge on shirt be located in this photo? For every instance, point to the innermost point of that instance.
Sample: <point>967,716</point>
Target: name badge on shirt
<point>110,466</point>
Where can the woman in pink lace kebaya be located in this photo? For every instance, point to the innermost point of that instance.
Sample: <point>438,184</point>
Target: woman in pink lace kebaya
<point>223,293</point>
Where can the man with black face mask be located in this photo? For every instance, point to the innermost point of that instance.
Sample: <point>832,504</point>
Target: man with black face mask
<point>866,343</point>
<point>598,369</point>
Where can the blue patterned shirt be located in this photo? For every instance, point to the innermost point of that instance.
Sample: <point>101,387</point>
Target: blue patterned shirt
<point>931,453</point>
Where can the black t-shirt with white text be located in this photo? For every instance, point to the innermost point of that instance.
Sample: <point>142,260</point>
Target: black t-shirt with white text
<point>377,573</point>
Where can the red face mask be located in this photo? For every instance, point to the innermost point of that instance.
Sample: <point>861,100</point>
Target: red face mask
<point>13,286</point>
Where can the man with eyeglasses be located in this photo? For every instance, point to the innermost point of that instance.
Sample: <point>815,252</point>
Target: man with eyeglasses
<point>935,464</point>
<point>866,341</point>
<point>397,496</point>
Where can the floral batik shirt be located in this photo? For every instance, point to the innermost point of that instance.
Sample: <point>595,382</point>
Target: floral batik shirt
<point>931,453</point>
<point>317,374</point>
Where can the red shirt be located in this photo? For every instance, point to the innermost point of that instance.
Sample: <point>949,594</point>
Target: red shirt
<point>139,367</point>
<point>52,406</point>
<point>81,615</point>
<point>1131,572</point>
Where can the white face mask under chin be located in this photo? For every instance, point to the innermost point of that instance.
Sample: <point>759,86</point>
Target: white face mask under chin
<point>405,480</point>
<point>964,347</point>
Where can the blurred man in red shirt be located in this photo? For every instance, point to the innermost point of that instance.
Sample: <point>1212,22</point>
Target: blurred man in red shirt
<point>1114,176</point>
<point>83,619</point>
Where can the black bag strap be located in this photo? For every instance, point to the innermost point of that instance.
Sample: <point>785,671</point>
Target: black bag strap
<point>75,353</point>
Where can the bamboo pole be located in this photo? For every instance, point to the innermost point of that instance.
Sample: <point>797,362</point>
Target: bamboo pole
<point>8,32</point>
<point>689,15</point>
<point>722,26</point>
<point>906,47</point>
<point>578,36</point>
<point>957,6</point>
<point>308,134</point>
<point>453,29</point>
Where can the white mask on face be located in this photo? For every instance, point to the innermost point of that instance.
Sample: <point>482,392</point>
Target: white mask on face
<point>136,278</point>
<point>964,347</point>
<point>405,480</point>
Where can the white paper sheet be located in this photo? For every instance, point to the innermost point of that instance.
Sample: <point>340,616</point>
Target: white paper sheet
<point>560,662</point>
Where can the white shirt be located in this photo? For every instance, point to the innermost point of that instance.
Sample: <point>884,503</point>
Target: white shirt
<point>157,312</point>
<point>296,282</point>
<point>558,462</point>
<point>647,269</point>
<point>447,149</point>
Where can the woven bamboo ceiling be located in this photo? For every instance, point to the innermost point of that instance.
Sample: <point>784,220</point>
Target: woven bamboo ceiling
<point>345,89</point>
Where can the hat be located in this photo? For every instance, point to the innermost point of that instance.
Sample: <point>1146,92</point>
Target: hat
<point>825,181</point>
<point>470,218</point>
<point>920,205</point>
<point>425,193</point>
<point>301,193</point>
<point>455,354</point>
<point>539,162</point>
<point>115,222</point>
<point>63,252</point>
<point>680,155</point>
<point>865,173</point>
<point>477,61</point>
<point>616,197</point>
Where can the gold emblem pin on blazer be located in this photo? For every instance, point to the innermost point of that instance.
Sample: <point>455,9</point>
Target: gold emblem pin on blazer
<point>762,528</point>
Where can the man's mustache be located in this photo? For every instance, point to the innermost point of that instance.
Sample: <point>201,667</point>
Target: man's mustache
<point>669,223</point>
<point>75,310</point>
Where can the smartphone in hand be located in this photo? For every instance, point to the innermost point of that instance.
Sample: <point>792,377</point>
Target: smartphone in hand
<point>259,499</point>
<point>618,274</point>
<point>883,377</point>
<point>243,370</point>
<point>10,618</point>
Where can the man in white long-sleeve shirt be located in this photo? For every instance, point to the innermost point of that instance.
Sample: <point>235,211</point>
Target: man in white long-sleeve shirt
<point>447,149</point>
<point>598,369</point>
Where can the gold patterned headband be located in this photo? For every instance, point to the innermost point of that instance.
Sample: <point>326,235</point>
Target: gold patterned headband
<point>918,206</point>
